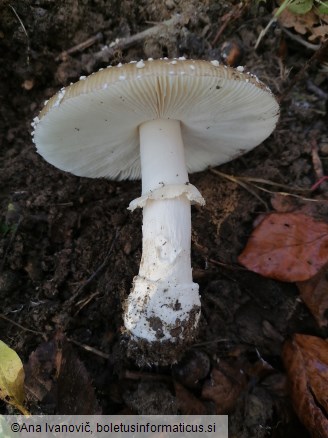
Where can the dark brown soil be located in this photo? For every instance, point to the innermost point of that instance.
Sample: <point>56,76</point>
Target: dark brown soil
<point>69,248</point>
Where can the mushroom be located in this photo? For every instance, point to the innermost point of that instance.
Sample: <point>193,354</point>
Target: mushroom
<point>157,120</point>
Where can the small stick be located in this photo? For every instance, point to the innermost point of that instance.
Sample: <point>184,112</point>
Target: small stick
<point>318,183</point>
<point>251,181</point>
<point>84,303</point>
<point>242,184</point>
<point>300,40</point>
<point>317,164</point>
<point>25,31</point>
<point>108,52</point>
<point>89,348</point>
<point>79,47</point>
<point>226,265</point>
<point>316,90</point>
<point>20,326</point>
<point>97,272</point>
<point>222,28</point>
<point>227,18</point>
<point>292,195</point>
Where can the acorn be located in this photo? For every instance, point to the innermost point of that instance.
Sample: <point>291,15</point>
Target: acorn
<point>232,53</point>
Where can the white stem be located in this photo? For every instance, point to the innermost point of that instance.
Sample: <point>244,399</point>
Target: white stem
<point>162,155</point>
<point>166,233</point>
<point>166,226</point>
<point>164,302</point>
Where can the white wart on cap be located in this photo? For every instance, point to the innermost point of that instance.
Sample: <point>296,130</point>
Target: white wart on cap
<point>157,120</point>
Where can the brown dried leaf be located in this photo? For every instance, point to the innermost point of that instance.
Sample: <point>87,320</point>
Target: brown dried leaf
<point>224,387</point>
<point>56,376</point>
<point>317,209</point>
<point>306,362</point>
<point>320,32</point>
<point>38,371</point>
<point>302,23</point>
<point>276,384</point>
<point>314,293</point>
<point>194,367</point>
<point>287,247</point>
<point>187,402</point>
<point>284,204</point>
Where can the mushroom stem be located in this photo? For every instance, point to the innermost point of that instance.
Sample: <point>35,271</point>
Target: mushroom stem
<point>162,155</point>
<point>164,303</point>
<point>166,222</point>
<point>166,234</point>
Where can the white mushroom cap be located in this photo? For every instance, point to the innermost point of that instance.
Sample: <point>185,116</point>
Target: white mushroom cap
<point>91,127</point>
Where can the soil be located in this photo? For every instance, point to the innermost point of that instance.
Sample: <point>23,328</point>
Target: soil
<point>70,249</point>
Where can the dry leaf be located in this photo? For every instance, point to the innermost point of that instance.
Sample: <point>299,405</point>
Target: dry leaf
<point>318,208</point>
<point>57,377</point>
<point>306,362</point>
<point>224,387</point>
<point>310,24</point>
<point>314,293</point>
<point>287,247</point>
<point>301,23</point>
<point>187,402</point>
<point>193,368</point>
<point>284,204</point>
<point>320,32</point>
<point>11,378</point>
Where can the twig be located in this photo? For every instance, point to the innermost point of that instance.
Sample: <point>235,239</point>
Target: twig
<point>316,90</point>
<point>108,52</point>
<point>89,348</point>
<point>300,40</point>
<point>226,265</point>
<point>268,182</point>
<point>84,303</point>
<point>97,272</point>
<point>264,31</point>
<point>319,182</point>
<point>242,184</point>
<point>24,29</point>
<point>243,180</point>
<point>79,47</point>
<point>281,8</point>
<point>21,327</point>
<point>231,16</point>
<point>317,164</point>
<point>293,195</point>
